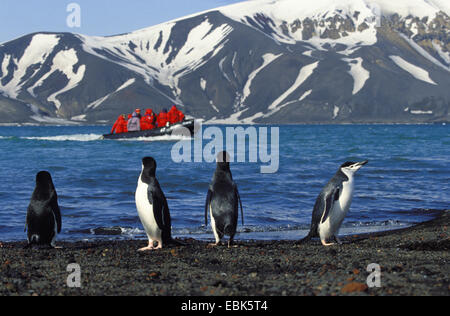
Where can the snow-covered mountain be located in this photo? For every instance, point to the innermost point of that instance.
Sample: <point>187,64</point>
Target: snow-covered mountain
<point>259,61</point>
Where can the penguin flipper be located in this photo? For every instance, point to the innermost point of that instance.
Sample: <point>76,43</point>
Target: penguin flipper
<point>240,203</point>
<point>57,212</point>
<point>160,209</point>
<point>329,200</point>
<point>207,205</point>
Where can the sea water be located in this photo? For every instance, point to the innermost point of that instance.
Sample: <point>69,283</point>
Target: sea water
<point>406,180</point>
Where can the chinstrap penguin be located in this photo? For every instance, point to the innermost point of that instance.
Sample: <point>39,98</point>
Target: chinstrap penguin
<point>333,203</point>
<point>152,207</point>
<point>222,201</point>
<point>43,220</point>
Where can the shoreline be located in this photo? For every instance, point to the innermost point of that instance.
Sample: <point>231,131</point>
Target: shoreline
<point>413,261</point>
<point>115,233</point>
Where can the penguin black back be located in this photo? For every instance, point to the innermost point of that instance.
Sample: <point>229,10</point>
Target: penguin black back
<point>223,200</point>
<point>43,215</point>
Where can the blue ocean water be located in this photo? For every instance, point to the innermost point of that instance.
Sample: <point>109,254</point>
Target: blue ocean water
<point>407,177</point>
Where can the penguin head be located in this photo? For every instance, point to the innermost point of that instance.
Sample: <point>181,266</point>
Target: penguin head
<point>44,186</point>
<point>350,167</point>
<point>149,166</point>
<point>44,180</point>
<point>223,160</point>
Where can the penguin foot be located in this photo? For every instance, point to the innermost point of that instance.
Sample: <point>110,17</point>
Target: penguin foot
<point>212,245</point>
<point>149,247</point>
<point>327,244</point>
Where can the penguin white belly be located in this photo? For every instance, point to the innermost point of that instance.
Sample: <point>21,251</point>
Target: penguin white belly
<point>337,214</point>
<point>145,212</point>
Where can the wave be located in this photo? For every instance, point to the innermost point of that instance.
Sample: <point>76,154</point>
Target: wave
<point>164,138</point>
<point>249,231</point>
<point>63,138</point>
<point>98,137</point>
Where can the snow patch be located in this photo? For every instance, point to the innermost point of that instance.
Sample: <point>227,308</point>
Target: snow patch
<point>420,112</point>
<point>267,60</point>
<point>203,84</point>
<point>214,106</point>
<point>289,11</point>
<point>424,53</point>
<point>233,119</point>
<point>99,101</point>
<point>40,47</point>
<point>64,61</point>
<point>303,75</point>
<point>156,59</point>
<point>126,84</point>
<point>5,64</point>
<point>359,74</point>
<point>335,112</point>
<point>221,69</point>
<point>444,55</point>
<point>79,118</point>
<point>292,10</point>
<point>52,120</point>
<point>414,70</point>
<point>305,95</point>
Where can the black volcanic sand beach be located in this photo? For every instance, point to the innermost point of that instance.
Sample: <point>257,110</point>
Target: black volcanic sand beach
<point>414,261</point>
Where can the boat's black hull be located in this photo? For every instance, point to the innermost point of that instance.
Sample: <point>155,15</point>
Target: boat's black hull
<point>189,124</point>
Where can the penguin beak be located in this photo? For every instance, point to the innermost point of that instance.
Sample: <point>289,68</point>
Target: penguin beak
<point>360,164</point>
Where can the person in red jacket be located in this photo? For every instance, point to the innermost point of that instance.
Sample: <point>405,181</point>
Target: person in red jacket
<point>180,116</point>
<point>172,116</point>
<point>162,118</point>
<point>175,115</point>
<point>148,120</point>
<point>120,126</point>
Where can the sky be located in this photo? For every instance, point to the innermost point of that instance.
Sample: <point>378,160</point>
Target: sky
<point>96,17</point>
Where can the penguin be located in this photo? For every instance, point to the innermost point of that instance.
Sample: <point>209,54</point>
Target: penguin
<point>333,203</point>
<point>222,201</point>
<point>43,220</point>
<point>152,207</point>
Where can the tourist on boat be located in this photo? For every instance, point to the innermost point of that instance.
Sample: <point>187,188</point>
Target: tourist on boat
<point>181,116</point>
<point>175,115</point>
<point>134,123</point>
<point>162,118</point>
<point>148,121</point>
<point>138,111</point>
<point>120,126</point>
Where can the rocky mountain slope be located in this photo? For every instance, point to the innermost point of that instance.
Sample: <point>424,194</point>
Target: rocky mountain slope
<point>260,61</point>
